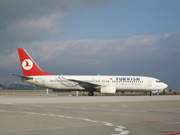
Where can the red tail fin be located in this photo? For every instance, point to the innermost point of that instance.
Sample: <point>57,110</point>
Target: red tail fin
<point>29,67</point>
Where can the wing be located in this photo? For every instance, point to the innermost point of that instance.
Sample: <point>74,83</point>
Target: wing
<point>86,85</point>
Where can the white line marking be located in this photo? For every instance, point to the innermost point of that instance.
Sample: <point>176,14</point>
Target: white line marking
<point>120,129</point>
<point>87,120</point>
<point>7,111</point>
<point>117,128</point>
<point>107,124</point>
<point>124,133</point>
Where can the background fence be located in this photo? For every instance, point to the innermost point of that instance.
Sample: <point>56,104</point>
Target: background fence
<point>73,93</point>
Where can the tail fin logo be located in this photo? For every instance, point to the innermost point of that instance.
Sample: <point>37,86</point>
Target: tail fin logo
<point>27,64</point>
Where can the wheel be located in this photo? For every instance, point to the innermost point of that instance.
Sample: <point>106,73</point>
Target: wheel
<point>151,94</point>
<point>91,93</point>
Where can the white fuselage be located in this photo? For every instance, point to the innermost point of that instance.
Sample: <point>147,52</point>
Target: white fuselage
<point>121,83</point>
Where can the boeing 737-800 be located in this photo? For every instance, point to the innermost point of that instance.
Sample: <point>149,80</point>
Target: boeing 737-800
<point>103,84</point>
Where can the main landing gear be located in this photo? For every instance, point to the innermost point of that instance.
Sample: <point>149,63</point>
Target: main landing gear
<point>91,93</point>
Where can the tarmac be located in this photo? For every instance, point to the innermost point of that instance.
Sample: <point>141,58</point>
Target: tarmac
<point>103,115</point>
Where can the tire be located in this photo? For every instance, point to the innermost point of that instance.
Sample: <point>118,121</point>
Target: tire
<point>91,94</point>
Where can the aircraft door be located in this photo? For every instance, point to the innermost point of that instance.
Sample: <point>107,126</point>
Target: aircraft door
<point>149,82</point>
<point>43,81</point>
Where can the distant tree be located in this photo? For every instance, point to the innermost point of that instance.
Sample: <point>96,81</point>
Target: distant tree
<point>170,91</point>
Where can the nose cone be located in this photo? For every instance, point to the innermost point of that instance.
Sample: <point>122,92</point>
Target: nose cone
<point>164,85</point>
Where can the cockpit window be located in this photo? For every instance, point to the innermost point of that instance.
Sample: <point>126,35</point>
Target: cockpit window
<point>158,81</point>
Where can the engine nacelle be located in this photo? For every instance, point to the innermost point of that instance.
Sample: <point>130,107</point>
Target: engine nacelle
<point>108,89</point>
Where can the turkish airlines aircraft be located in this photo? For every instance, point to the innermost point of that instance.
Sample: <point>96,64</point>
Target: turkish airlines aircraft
<point>103,84</point>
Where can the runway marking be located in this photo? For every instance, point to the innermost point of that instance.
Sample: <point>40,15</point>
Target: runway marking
<point>117,128</point>
<point>87,120</point>
<point>7,111</point>
<point>32,113</point>
<point>107,124</point>
<point>120,129</point>
<point>63,116</point>
<point>161,122</point>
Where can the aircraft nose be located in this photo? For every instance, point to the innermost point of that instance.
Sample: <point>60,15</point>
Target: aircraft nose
<point>164,85</point>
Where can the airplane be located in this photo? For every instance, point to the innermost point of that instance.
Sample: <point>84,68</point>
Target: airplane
<point>32,74</point>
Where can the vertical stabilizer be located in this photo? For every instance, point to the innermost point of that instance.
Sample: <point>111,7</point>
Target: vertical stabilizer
<point>29,67</point>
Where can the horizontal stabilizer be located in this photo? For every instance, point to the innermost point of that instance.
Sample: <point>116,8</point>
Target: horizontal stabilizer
<point>23,77</point>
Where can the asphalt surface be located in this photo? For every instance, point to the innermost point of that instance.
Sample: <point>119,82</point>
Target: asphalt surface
<point>140,115</point>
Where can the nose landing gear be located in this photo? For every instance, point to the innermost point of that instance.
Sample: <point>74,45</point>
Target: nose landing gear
<point>154,92</point>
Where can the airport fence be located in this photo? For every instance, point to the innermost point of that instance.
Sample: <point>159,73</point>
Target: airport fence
<point>25,92</point>
<point>74,93</point>
<point>43,93</point>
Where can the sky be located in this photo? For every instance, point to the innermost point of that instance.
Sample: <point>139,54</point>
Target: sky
<point>90,37</point>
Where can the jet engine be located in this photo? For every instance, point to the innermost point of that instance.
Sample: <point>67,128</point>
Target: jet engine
<point>108,89</point>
